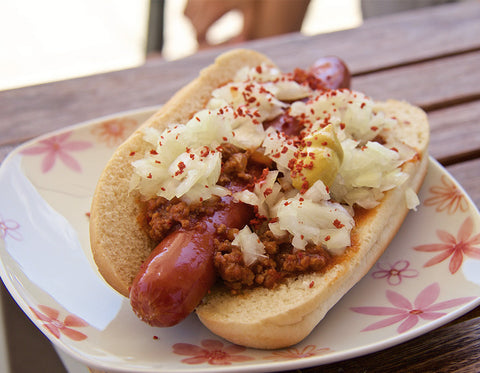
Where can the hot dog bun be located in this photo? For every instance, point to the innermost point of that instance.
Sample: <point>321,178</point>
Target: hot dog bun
<point>260,318</point>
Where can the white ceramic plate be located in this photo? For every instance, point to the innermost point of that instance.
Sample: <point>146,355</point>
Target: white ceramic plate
<point>429,275</point>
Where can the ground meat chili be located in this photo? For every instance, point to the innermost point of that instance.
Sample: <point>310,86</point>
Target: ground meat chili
<point>241,170</point>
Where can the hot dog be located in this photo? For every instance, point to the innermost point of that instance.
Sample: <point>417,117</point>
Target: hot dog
<point>179,272</point>
<point>320,220</point>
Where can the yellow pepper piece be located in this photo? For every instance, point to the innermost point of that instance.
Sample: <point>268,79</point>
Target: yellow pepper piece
<point>320,159</point>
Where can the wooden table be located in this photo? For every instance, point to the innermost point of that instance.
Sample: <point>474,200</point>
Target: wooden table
<point>430,57</point>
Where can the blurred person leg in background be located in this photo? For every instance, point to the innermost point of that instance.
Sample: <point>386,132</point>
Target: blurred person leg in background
<point>261,18</point>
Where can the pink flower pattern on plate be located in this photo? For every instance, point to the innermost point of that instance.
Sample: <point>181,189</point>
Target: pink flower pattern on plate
<point>447,197</point>
<point>112,132</point>
<point>49,316</point>
<point>453,247</point>
<point>409,314</point>
<point>212,352</point>
<point>295,353</point>
<point>9,227</point>
<point>58,147</point>
<point>394,273</point>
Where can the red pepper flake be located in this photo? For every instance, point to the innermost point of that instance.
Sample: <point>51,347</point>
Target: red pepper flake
<point>267,192</point>
<point>338,224</point>
<point>394,149</point>
<point>155,337</point>
<point>162,189</point>
<point>284,150</point>
<point>286,203</point>
<point>291,163</point>
<point>87,214</point>
<point>327,238</point>
<point>311,284</point>
<point>157,161</point>
<point>305,187</point>
<point>362,105</point>
<point>309,166</point>
<point>259,69</point>
<point>192,156</point>
<point>181,167</point>
<point>204,152</point>
<point>197,118</point>
<point>132,154</point>
<point>302,236</point>
<point>342,126</point>
<point>153,152</point>
<point>224,138</point>
<point>149,176</point>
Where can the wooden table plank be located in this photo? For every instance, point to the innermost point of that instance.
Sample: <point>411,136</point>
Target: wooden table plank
<point>455,133</point>
<point>434,84</point>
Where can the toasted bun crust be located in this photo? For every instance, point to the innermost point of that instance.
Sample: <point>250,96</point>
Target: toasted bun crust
<point>260,318</point>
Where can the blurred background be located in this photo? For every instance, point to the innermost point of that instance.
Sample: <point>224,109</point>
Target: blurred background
<point>42,41</point>
<point>49,40</point>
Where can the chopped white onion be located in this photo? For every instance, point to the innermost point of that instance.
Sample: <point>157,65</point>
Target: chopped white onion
<point>411,199</point>
<point>250,245</point>
<point>321,223</point>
